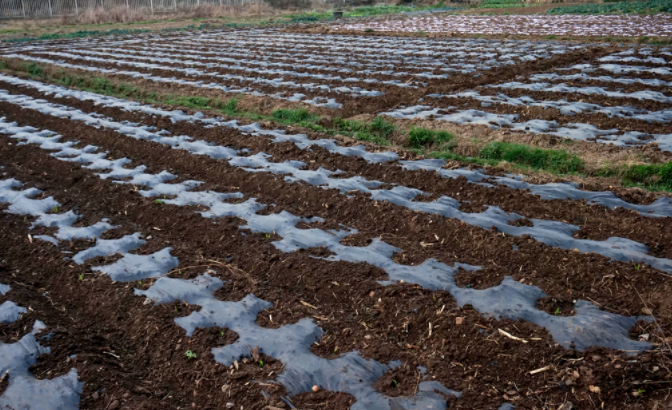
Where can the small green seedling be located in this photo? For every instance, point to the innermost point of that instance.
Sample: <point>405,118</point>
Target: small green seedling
<point>221,333</point>
<point>268,236</point>
<point>640,392</point>
<point>56,209</point>
<point>158,201</point>
<point>190,354</point>
<point>139,282</point>
<point>396,384</point>
<point>261,363</point>
<point>179,271</point>
<point>638,266</point>
<point>81,276</point>
<point>175,308</point>
<point>25,219</point>
<point>557,311</point>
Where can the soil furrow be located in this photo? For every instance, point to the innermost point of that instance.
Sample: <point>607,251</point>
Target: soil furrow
<point>596,222</point>
<point>122,316</point>
<point>366,216</point>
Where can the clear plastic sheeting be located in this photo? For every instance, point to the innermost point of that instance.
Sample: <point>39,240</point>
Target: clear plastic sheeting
<point>563,88</point>
<point>566,107</point>
<point>574,131</point>
<point>510,299</point>
<point>289,344</point>
<point>24,391</point>
<point>552,233</point>
<point>10,312</point>
<point>296,97</point>
<point>22,203</point>
<point>525,24</point>
<point>547,191</point>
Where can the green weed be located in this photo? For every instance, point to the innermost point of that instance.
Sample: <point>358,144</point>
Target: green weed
<point>650,176</point>
<point>622,7</point>
<point>35,70</point>
<point>197,103</point>
<point>556,161</point>
<point>229,107</point>
<point>419,137</point>
<point>292,116</point>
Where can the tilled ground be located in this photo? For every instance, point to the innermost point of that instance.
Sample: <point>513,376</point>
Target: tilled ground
<point>131,354</point>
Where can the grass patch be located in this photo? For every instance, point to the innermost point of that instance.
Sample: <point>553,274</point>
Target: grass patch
<point>422,137</point>
<point>556,161</point>
<point>500,4</point>
<point>376,132</point>
<point>75,34</point>
<point>364,11</point>
<point>293,116</point>
<point>34,69</point>
<point>622,7</point>
<point>196,103</point>
<point>436,144</point>
<point>655,177</point>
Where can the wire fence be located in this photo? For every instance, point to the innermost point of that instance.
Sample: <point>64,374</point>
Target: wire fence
<point>12,9</point>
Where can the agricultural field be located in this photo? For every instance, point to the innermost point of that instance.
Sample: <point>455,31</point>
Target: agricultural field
<point>285,219</point>
<point>516,24</point>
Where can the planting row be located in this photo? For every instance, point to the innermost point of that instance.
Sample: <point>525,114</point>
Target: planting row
<point>535,25</point>
<point>552,233</point>
<point>517,300</point>
<point>636,116</point>
<point>323,71</point>
<point>290,343</point>
<point>660,208</point>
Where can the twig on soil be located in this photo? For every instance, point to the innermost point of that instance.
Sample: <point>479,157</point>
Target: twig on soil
<point>234,270</point>
<point>308,304</point>
<point>510,336</point>
<point>178,270</point>
<point>543,369</point>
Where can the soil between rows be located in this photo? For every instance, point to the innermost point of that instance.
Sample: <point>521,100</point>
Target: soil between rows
<point>597,222</point>
<point>152,372</point>
<point>472,357</point>
<point>394,96</point>
<point>494,253</point>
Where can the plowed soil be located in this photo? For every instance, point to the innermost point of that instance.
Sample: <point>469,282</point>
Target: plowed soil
<point>131,354</point>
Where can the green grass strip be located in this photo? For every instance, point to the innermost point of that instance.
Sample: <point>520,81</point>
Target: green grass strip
<point>623,7</point>
<point>556,161</point>
<point>657,177</point>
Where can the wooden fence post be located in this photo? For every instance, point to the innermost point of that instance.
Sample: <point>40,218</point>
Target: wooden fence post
<point>76,8</point>
<point>51,11</point>
<point>23,7</point>
<point>151,5</point>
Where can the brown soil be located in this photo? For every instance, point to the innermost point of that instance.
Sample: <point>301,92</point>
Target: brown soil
<point>134,353</point>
